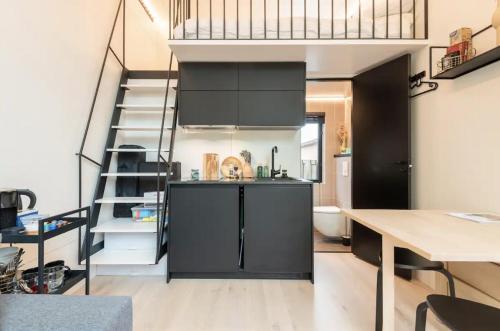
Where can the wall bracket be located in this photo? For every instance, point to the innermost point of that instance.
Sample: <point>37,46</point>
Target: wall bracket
<point>416,82</point>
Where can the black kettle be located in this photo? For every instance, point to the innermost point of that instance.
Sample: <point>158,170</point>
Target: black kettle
<point>10,204</point>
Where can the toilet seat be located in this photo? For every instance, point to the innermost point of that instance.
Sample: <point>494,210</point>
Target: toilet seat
<point>327,209</point>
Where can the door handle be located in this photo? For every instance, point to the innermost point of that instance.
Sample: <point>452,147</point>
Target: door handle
<point>240,261</point>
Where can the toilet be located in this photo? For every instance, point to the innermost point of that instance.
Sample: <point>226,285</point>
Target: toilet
<point>329,221</point>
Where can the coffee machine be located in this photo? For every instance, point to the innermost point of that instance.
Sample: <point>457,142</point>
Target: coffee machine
<point>11,203</point>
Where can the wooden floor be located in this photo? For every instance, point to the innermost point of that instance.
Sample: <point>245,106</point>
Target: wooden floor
<point>343,299</point>
<point>323,244</point>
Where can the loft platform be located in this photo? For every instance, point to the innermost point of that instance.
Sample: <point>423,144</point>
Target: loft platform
<point>325,58</point>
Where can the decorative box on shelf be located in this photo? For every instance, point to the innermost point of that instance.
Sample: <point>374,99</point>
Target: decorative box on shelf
<point>460,59</point>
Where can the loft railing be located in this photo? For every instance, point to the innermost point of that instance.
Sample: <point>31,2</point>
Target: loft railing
<point>160,159</point>
<point>297,19</point>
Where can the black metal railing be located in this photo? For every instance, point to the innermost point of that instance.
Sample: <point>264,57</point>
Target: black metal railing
<point>106,156</point>
<point>161,208</point>
<point>297,19</point>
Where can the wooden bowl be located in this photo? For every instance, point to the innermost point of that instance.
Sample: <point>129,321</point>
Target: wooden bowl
<point>228,164</point>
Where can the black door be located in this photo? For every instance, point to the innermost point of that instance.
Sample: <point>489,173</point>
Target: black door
<point>381,146</point>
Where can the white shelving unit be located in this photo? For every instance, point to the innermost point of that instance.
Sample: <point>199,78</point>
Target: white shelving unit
<point>123,257</point>
<point>124,225</point>
<point>130,246</point>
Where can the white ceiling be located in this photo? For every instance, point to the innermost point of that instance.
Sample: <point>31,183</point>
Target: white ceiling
<point>327,88</point>
<point>325,58</point>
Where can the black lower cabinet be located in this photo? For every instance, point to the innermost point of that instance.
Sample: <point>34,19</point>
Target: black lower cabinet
<point>240,231</point>
<point>204,223</point>
<point>277,235</point>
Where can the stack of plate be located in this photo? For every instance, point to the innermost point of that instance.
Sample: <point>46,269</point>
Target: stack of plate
<point>10,259</point>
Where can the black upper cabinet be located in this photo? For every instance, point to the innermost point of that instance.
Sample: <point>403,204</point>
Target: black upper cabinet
<point>280,76</point>
<point>208,76</point>
<point>271,108</point>
<point>242,94</point>
<point>208,108</point>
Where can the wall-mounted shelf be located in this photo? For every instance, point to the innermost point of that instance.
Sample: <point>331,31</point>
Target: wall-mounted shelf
<point>474,64</point>
<point>477,62</point>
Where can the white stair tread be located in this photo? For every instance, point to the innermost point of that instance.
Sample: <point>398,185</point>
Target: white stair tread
<point>124,257</point>
<point>146,111</point>
<point>138,128</point>
<point>157,86</point>
<point>122,225</point>
<point>146,107</point>
<point>132,174</point>
<point>139,150</point>
<point>126,200</point>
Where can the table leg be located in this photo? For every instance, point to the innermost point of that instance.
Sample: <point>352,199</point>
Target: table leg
<point>388,282</point>
<point>41,262</point>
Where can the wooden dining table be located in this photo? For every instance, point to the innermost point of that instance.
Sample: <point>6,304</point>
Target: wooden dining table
<point>434,235</point>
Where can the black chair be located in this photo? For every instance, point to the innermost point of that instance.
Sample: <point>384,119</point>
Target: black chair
<point>406,259</point>
<point>459,314</point>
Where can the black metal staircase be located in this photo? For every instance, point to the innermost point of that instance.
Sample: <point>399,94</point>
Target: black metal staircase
<point>164,157</point>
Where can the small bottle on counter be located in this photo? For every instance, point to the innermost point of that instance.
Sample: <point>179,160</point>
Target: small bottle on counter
<point>260,171</point>
<point>265,172</point>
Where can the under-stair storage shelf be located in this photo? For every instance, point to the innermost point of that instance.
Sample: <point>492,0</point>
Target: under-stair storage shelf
<point>124,257</point>
<point>124,225</point>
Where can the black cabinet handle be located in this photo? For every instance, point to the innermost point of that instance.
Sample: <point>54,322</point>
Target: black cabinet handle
<point>240,261</point>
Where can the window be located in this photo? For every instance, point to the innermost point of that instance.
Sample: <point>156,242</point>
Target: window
<point>311,147</point>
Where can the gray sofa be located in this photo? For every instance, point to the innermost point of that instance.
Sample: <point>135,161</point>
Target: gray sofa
<point>62,312</point>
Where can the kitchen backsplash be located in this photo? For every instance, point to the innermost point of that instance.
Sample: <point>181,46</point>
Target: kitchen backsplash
<point>190,147</point>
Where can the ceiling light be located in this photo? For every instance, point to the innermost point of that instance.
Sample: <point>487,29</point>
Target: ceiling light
<point>149,9</point>
<point>326,98</point>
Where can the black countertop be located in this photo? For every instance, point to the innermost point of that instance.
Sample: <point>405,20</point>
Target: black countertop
<point>244,181</point>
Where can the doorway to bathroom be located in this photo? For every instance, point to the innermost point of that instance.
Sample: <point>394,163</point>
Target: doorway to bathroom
<point>325,160</point>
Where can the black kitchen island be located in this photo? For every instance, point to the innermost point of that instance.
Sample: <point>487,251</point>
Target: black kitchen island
<point>240,229</point>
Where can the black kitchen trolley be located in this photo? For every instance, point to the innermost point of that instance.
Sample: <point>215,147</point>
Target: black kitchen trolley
<point>71,223</point>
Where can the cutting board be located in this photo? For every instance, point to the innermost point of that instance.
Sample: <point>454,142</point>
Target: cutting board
<point>228,164</point>
<point>211,166</point>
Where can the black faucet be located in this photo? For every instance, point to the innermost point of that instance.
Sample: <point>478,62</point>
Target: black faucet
<point>274,172</point>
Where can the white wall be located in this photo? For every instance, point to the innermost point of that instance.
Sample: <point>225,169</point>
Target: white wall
<point>50,57</point>
<point>456,130</point>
